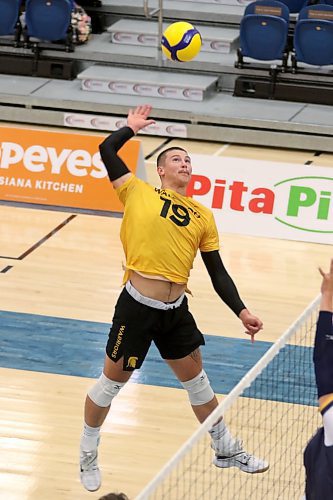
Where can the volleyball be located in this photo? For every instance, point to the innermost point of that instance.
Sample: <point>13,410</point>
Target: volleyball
<point>181,41</point>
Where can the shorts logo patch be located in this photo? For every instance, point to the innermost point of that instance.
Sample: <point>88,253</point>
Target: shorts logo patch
<point>131,363</point>
<point>118,341</point>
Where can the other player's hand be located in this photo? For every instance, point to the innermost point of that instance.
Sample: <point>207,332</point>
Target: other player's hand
<point>138,118</point>
<point>327,283</point>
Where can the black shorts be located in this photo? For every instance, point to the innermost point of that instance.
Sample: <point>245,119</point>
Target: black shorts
<point>136,325</point>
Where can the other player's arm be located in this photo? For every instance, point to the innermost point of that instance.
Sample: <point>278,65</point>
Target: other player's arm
<point>226,289</point>
<point>323,353</point>
<point>117,170</point>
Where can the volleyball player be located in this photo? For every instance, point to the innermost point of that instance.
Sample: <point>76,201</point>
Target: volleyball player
<point>161,231</point>
<point>318,455</point>
<point>114,496</point>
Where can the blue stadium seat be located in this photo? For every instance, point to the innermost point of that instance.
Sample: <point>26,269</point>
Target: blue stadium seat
<point>313,37</point>
<point>264,32</point>
<point>9,18</point>
<point>49,20</point>
<point>269,6</point>
<point>322,10</point>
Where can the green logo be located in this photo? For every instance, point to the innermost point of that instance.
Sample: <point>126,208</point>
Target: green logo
<point>310,201</point>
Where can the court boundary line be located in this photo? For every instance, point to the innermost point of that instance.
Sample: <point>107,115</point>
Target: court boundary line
<point>6,269</point>
<point>38,243</point>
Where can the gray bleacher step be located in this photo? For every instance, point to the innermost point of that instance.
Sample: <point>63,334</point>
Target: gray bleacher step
<point>226,11</point>
<point>163,84</point>
<point>145,33</point>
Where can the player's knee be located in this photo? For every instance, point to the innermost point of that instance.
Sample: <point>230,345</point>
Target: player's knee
<point>199,389</point>
<point>103,392</point>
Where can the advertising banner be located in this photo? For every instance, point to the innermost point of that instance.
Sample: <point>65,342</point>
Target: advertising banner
<point>60,168</point>
<point>263,198</point>
<point>251,197</point>
<point>104,122</point>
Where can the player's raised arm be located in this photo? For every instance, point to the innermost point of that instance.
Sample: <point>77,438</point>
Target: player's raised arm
<point>118,171</point>
<point>226,289</point>
<point>323,348</point>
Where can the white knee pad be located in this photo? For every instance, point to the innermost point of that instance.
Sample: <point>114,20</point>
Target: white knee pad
<point>199,389</point>
<point>103,392</point>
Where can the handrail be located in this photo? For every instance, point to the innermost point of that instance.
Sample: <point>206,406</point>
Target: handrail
<point>149,15</point>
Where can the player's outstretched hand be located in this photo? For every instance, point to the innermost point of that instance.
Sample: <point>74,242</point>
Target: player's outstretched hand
<point>138,118</point>
<point>327,283</point>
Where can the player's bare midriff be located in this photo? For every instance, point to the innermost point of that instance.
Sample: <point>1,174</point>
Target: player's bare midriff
<point>157,289</point>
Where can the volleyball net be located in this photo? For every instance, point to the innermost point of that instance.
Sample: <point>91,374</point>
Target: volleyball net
<point>273,409</point>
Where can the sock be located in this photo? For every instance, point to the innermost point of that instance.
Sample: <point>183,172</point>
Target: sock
<point>223,440</point>
<point>89,438</point>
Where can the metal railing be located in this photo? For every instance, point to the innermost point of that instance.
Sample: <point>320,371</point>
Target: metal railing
<point>149,15</point>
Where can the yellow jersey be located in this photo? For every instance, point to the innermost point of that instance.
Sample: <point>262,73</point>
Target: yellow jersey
<point>162,230</point>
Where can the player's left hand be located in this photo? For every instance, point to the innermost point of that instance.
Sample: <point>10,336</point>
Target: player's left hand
<point>251,323</point>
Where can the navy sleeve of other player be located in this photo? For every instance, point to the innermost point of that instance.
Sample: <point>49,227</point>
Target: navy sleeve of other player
<point>323,353</point>
<point>110,146</point>
<point>222,281</point>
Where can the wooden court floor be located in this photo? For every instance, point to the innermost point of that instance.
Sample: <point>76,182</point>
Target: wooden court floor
<point>76,275</point>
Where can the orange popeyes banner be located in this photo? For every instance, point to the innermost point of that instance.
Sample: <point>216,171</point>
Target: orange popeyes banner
<point>59,168</point>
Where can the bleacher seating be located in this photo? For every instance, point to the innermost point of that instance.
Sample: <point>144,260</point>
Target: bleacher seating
<point>145,34</point>
<point>49,21</point>
<point>124,58</point>
<point>161,84</point>
<point>264,32</point>
<point>313,37</point>
<point>10,25</point>
<point>311,41</point>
